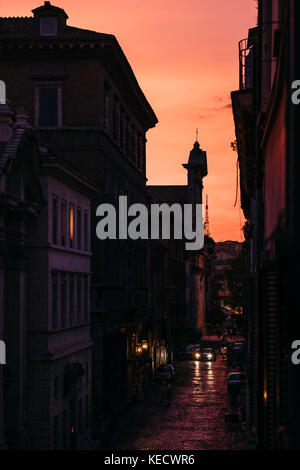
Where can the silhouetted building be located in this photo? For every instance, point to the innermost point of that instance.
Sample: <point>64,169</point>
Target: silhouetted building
<point>266,124</point>
<point>185,271</point>
<point>84,102</point>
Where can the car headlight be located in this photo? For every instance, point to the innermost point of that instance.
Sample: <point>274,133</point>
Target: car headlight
<point>209,356</point>
<point>197,355</point>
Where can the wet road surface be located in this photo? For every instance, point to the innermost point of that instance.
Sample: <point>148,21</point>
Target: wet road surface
<point>193,421</point>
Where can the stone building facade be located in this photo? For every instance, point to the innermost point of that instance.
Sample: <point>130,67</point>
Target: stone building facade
<point>84,102</point>
<point>45,311</point>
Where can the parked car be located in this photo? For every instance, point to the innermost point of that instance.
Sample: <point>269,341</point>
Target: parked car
<point>238,346</point>
<point>205,354</point>
<point>189,352</point>
<point>166,372</point>
<point>235,381</point>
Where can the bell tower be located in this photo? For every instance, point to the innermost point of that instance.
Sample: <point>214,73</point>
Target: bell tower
<point>197,170</point>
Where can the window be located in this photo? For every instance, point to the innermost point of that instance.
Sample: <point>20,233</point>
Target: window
<point>127,138</point>
<point>65,429</point>
<point>106,108</point>
<point>63,222</point>
<point>56,388</point>
<point>87,421</point>
<point>86,373</point>
<point>139,152</point>
<point>48,26</point>
<point>85,231</point>
<point>48,107</point>
<point>71,222</point>
<point>56,433</point>
<point>122,131</point>
<point>79,306</point>
<point>80,414</point>
<point>71,300</point>
<point>106,181</point>
<point>86,299</point>
<point>116,122</point>
<point>143,151</point>
<point>79,228</point>
<point>55,311</point>
<point>63,301</point>
<point>134,146</point>
<point>129,141</point>
<point>116,188</point>
<point>54,220</point>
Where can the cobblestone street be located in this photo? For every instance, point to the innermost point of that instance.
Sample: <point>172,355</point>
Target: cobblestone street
<point>193,421</point>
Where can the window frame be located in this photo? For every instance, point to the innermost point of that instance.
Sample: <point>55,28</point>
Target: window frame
<point>47,84</point>
<point>56,25</point>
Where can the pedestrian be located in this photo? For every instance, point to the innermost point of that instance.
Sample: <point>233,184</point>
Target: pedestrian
<point>169,392</point>
<point>163,391</point>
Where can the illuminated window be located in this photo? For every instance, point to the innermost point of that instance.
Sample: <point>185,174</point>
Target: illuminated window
<point>71,225</point>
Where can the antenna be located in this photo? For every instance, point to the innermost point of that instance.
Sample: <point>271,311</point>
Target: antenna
<point>196,134</point>
<point>206,222</point>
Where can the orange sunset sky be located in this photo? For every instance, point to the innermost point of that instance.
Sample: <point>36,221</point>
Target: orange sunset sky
<point>184,54</point>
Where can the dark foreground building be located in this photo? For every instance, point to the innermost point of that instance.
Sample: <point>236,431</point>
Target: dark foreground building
<point>45,397</point>
<point>267,127</point>
<point>85,104</point>
<point>94,318</point>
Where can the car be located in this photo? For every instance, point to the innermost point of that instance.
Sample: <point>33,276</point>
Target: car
<point>165,372</point>
<point>189,351</point>
<point>238,346</point>
<point>205,354</point>
<point>236,379</point>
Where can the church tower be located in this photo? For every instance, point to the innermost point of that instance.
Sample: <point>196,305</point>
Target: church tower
<point>197,170</point>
